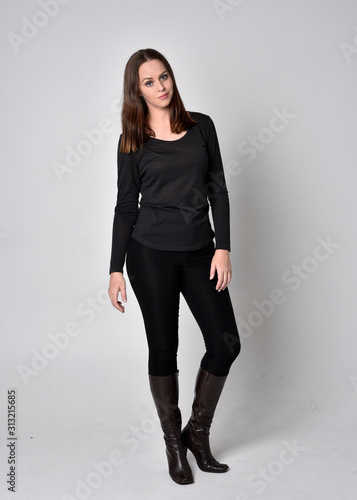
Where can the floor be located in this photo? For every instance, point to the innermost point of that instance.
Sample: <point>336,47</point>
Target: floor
<point>276,449</point>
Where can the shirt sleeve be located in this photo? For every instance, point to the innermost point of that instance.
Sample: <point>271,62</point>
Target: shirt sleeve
<point>126,209</point>
<point>217,192</point>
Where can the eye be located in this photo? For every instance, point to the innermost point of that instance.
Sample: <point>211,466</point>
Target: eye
<point>148,84</point>
<point>164,77</point>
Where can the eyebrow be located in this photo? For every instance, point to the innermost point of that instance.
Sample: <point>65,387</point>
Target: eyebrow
<point>150,77</point>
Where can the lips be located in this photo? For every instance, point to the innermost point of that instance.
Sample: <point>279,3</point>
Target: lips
<point>163,96</point>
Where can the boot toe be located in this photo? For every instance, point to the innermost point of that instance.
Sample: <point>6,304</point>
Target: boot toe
<point>182,478</point>
<point>214,466</point>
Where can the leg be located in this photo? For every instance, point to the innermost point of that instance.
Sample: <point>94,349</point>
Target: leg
<point>165,394</point>
<point>156,284</point>
<point>195,435</point>
<point>214,314</point>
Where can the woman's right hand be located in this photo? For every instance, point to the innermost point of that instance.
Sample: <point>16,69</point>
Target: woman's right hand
<point>116,285</point>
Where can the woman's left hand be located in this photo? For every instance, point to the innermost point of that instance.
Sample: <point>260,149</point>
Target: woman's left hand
<point>222,265</point>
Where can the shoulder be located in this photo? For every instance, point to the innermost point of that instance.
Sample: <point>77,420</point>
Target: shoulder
<point>132,156</point>
<point>205,124</point>
<point>200,117</point>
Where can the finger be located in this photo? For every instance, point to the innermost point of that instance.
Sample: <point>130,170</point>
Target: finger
<point>225,280</point>
<point>120,307</point>
<point>228,278</point>
<point>113,295</point>
<point>212,271</point>
<point>219,280</point>
<point>123,292</point>
<point>225,284</point>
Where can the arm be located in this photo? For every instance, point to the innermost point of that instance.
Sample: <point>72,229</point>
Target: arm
<point>125,215</point>
<point>219,201</point>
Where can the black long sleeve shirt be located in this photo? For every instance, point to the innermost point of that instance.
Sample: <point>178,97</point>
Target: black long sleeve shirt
<point>178,181</point>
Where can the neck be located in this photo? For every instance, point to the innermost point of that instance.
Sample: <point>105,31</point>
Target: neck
<point>159,117</point>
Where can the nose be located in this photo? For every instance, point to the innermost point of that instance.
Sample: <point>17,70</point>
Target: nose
<point>161,85</point>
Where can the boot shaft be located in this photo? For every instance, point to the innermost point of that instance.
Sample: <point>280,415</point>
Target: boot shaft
<point>165,393</point>
<point>208,389</point>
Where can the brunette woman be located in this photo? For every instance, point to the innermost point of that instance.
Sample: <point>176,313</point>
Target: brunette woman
<point>172,158</point>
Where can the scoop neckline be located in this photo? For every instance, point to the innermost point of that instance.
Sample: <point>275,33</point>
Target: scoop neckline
<point>165,140</point>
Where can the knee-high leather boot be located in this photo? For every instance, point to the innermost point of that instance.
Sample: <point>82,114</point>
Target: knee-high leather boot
<point>165,394</point>
<point>196,433</point>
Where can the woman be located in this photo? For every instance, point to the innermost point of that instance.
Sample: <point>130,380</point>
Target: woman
<point>172,158</point>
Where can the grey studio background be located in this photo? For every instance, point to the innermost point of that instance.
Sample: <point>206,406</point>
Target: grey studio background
<point>279,80</point>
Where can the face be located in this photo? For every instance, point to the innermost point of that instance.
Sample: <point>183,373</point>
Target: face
<point>155,84</point>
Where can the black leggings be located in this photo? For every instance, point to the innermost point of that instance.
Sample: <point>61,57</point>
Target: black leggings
<point>157,278</point>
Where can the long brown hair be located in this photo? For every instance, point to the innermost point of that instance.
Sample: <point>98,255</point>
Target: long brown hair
<point>135,129</point>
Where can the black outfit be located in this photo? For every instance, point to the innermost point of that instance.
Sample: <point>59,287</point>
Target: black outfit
<point>157,278</point>
<point>174,178</point>
<point>169,243</point>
